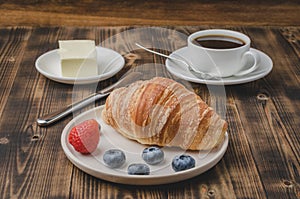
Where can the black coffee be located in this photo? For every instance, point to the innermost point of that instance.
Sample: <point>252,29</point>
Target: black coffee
<point>218,42</point>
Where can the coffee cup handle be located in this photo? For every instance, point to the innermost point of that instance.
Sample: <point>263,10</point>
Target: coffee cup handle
<point>256,59</point>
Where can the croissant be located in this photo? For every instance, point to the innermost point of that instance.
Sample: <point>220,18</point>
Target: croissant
<point>163,112</point>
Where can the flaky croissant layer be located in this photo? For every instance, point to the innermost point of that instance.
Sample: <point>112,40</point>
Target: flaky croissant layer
<point>163,112</point>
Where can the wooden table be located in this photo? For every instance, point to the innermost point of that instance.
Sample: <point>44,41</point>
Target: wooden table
<point>154,12</point>
<point>262,159</point>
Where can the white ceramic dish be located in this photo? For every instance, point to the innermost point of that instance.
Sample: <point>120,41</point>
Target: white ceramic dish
<point>182,72</point>
<point>109,63</point>
<point>159,174</point>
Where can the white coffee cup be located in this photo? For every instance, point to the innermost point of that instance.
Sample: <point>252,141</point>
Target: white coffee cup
<point>222,60</point>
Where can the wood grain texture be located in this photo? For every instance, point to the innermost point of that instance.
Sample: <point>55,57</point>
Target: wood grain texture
<point>154,12</point>
<point>262,160</point>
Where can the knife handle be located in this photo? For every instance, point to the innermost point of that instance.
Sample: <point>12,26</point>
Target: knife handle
<point>57,115</point>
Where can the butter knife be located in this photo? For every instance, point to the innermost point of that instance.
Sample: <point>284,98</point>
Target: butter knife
<point>57,115</point>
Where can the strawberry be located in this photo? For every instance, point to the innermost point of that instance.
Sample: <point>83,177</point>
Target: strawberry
<point>85,136</point>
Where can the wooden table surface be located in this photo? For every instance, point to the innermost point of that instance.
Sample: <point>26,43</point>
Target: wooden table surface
<point>149,12</point>
<point>262,159</point>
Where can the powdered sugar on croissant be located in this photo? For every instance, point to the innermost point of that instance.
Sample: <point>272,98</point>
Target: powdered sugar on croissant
<point>163,112</point>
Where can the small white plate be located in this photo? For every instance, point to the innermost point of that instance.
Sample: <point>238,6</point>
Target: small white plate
<point>159,174</point>
<point>179,70</point>
<point>109,63</point>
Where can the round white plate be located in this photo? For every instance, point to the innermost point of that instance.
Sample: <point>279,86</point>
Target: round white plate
<point>109,63</point>
<point>179,70</point>
<point>159,174</point>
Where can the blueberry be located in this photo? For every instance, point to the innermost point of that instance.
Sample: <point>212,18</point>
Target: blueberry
<point>153,155</point>
<point>138,169</point>
<point>114,158</point>
<point>183,162</point>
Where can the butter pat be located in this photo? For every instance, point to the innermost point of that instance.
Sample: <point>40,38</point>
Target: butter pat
<point>78,58</point>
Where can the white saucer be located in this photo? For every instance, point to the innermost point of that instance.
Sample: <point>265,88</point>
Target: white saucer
<point>109,138</point>
<point>109,62</point>
<point>182,72</point>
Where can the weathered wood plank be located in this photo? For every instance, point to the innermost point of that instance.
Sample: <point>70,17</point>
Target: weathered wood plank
<point>155,12</point>
<point>269,118</point>
<point>12,42</point>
